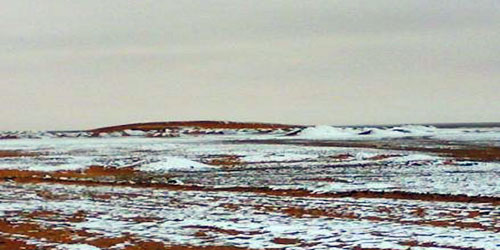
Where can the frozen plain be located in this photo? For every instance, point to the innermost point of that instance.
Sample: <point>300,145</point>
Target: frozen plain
<point>258,188</point>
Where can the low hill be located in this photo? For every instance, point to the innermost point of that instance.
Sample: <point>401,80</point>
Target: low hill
<point>197,124</point>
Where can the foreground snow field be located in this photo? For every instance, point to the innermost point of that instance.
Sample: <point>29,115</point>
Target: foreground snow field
<point>251,188</point>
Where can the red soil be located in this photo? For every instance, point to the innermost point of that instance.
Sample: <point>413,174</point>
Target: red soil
<point>224,161</point>
<point>342,157</point>
<point>97,171</point>
<point>79,216</point>
<point>92,171</point>
<point>479,154</point>
<point>11,244</point>
<point>382,157</point>
<point>108,242</point>
<point>286,241</point>
<point>16,153</point>
<point>38,232</point>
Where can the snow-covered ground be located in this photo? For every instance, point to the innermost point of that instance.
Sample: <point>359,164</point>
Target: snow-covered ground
<point>249,220</point>
<point>261,164</point>
<point>319,132</point>
<point>323,132</point>
<point>258,220</point>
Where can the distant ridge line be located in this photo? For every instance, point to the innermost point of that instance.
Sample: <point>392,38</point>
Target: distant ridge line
<point>248,125</point>
<point>201,124</point>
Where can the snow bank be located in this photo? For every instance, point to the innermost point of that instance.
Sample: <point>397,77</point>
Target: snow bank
<point>318,132</point>
<point>134,132</point>
<point>46,163</point>
<point>365,155</point>
<point>355,133</point>
<point>76,247</point>
<point>174,163</point>
<point>275,157</point>
<point>417,157</point>
<point>326,132</point>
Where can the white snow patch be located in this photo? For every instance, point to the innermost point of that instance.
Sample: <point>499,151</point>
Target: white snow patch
<point>325,132</point>
<point>174,163</point>
<point>350,133</point>
<point>134,132</point>
<point>271,157</point>
<point>361,133</point>
<point>77,247</point>
<point>417,157</point>
<point>365,155</point>
<point>343,187</point>
<point>46,163</point>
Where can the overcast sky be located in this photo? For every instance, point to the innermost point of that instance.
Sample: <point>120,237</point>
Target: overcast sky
<point>85,64</point>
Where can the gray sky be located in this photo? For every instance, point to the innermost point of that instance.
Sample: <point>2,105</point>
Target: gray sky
<point>84,64</point>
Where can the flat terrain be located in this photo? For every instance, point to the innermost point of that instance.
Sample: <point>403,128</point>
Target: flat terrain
<point>218,185</point>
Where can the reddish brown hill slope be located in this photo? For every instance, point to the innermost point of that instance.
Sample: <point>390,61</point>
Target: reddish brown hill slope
<point>199,124</point>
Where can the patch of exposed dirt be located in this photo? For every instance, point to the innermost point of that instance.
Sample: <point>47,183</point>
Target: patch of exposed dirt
<point>17,153</point>
<point>90,172</point>
<point>45,215</point>
<point>341,157</point>
<point>108,242</point>
<point>96,171</point>
<point>11,244</point>
<point>141,219</point>
<point>382,157</point>
<point>286,241</point>
<point>37,231</point>
<point>224,161</point>
<point>316,212</point>
<point>476,154</point>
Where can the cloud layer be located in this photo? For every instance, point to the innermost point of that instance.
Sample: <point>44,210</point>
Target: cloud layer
<point>69,65</point>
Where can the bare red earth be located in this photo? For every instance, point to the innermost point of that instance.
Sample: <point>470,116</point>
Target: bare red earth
<point>16,153</point>
<point>197,124</point>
